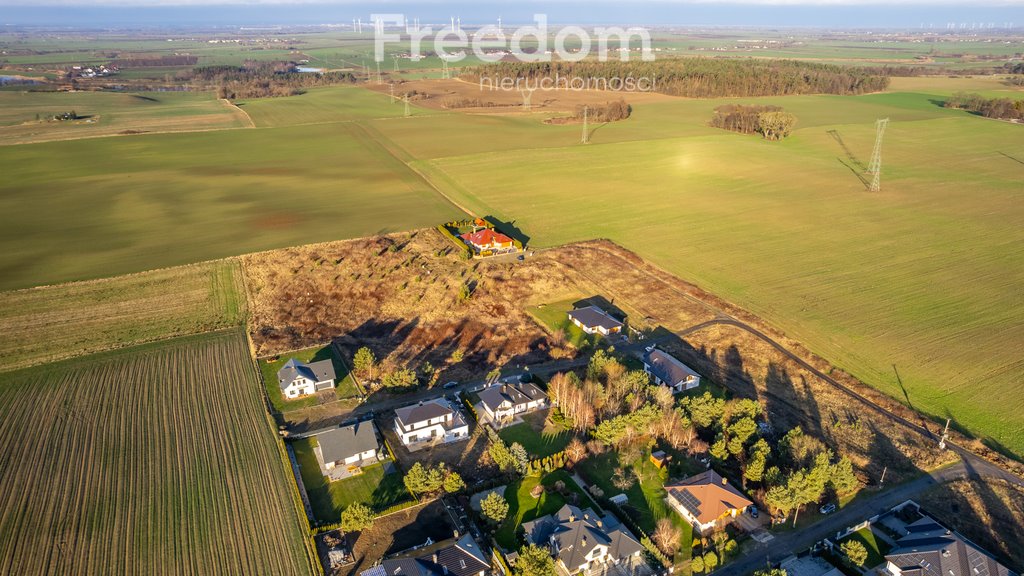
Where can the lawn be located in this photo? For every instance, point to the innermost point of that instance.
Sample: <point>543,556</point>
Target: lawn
<point>788,231</point>
<point>155,458</point>
<point>345,386</point>
<point>876,547</point>
<point>537,435</point>
<point>522,507</point>
<point>554,317</point>
<point>373,487</point>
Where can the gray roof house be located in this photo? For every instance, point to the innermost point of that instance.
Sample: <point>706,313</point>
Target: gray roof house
<point>430,421</point>
<point>593,320</point>
<point>666,370</point>
<point>299,379</point>
<point>931,549</point>
<point>355,444</point>
<point>503,401</point>
<point>580,539</point>
<point>463,558</point>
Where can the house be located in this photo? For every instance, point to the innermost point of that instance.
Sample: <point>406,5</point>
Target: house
<point>931,549</point>
<point>705,499</point>
<point>488,239</point>
<point>581,540</point>
<point>355,445</point>
<point>593,320</point>
<point>667,371</point>
<point>808,566</point>
<point>462,558</point>
<point>503,401</point>
<point>301,379</point>
<point>430,420</point>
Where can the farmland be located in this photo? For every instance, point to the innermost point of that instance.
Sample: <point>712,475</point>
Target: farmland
<point>52,323</point>
<point>157,459</point>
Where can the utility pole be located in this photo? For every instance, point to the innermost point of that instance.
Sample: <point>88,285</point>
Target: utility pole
<point>586,137</point>
<point>408,112</point>
<point>945,436</point>
<point>378,73</point>
<point>875,167</point>
<point>391,88</point>
<point>882,480</point>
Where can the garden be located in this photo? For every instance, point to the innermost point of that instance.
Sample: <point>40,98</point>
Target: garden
<point>345,386</point>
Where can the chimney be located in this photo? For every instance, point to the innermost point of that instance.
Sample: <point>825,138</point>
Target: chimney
<point>725,482</point>
<point>456,532</point>
<point>434,558</point>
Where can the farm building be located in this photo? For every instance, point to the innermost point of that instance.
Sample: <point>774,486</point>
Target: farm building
<point>581,540</point>
<point>705,500</point>
<point>300,379</point>
<point>502,402</point>
<point>430,420</point>
<point>593,320</point>
<point>354,446</point>
<point>666,370</point>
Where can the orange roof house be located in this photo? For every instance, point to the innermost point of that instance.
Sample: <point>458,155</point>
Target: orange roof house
<point>487,239</point>
<point>705,499</point>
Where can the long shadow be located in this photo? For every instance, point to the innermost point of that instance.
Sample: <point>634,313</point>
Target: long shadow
<point>884,457</point>
<point>510,229</point>
<point>858,173</point>
<point>849,153</point>
<point>1017,160</point>
<point>602,303</point>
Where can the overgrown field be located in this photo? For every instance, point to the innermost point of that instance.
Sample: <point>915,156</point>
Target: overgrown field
<point>155,460</point>
<point>23,115</point>
<point>51,323</point>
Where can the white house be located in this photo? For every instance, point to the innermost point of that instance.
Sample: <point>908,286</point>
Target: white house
<point>705,500</point>
<point>667,371</point>
<point>355,445</point>
<point>593,320</point>
<point>300,379</point>
<point>503,401</point>
<point>431,420</point>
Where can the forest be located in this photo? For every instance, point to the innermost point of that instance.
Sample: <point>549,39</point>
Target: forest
<point>999,108</point>
<point>702,77</point>
<point>772,122</point>
<point>261,79</point>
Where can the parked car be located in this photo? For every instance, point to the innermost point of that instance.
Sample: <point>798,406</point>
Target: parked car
<point>827,509</point>
<point>450,385</point>
<point>752,510</point>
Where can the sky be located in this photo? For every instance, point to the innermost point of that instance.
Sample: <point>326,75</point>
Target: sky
<point>772,13</point>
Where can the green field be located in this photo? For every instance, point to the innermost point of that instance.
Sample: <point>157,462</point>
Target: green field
<point>876,547</point>
<point>321,105</point>
<point>345,386</point>
<point>52,323</point>
<point>523,507</point>
<point>373,487</point>
<point>23,114</point>
<point>554,317</point>
<point>549,440</point>
<point>154,459</point>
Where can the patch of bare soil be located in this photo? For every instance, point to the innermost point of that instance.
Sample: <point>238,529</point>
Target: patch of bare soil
<point>469,458</point>
<point>986,512</point>
<point>398,532</point>
<point>472,97</point>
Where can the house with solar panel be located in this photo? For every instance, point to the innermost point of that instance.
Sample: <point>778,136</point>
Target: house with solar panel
<point>666,370</point>
<point>930,549</point>
<point>582,541</point>
<point>464,557</point>
<point>593,320</point>
<point>706,500</point>
<point>434,420</point>
<point>300,379</point>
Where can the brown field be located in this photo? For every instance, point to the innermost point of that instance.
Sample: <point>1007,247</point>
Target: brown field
<point>158,459</point>
<point>456,94</point>
<point>398,532</point>
<point>398,295</point>
<point>988,512</point>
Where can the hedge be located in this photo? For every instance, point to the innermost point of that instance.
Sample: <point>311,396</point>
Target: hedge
<point>443,229</point>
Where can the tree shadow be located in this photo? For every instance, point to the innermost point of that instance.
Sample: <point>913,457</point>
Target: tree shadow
<point>602,303</point>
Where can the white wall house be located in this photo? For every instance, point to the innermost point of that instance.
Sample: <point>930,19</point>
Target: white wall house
<point>593,320</point>
<point>430,421</point>
<point>352,445</point>
<point>502,402</point>
<point>705,500</point>
<point>665,370</point>
<point>300,379</point>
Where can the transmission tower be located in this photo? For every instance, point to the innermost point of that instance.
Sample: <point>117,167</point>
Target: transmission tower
<point>408,112</point>
<point>378,73</point>
<point>391,88</point>
<point>875,166</point>
<point>586,136</point>
<point>527,98</point>
<point>445,73</point>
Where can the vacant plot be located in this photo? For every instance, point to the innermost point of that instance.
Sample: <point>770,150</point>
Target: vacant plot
<point>24,115</point>
<point>144,202</point>
<point>51,323</point>
<point>537,435</point>
<point>374,487</point>
<point>345,386</point>
<point>922,277</point>
<point>155,459</point>
<point>555,317</point>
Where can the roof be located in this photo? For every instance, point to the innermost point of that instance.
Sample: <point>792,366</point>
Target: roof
<point>316,371</point>
<point>485,237</point>
<point>518,393</point>
<point>339,443</point>
<point>707,496</point>
<point>424,411</point>
<point>594,316</point>
<point>573,533</point>
<point>930,549</point>
<point>667,368</point>
<point>808,566</point>
<point>463,558</point>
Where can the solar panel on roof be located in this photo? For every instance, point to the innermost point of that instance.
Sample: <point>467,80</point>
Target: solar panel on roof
<point>690,502</point>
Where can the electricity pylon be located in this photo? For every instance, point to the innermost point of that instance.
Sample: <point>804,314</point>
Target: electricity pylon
<point>585,139</point>
<point>875,166</point>
<point>408,112</point>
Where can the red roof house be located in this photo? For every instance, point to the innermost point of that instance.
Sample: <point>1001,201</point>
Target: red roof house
<point>487,239</point>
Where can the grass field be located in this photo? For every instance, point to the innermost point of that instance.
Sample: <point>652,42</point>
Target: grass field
<point>52,323</point>
<point>155,459</point>
<point>538,439</point>
<point>876,547</point>
<point>554,317</point>
<point>373,487</point>
<point>320,105</point>
<point>922,277</point>
<point>107,113</point>
<point>143,202</point>
<point>344,387</point>
<point>523,507</point>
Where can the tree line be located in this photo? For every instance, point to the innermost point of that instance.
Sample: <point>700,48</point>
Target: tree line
<point>702,77</point>
<point>771,122</point>
<point>254,79</point>
<point>999,108</point>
